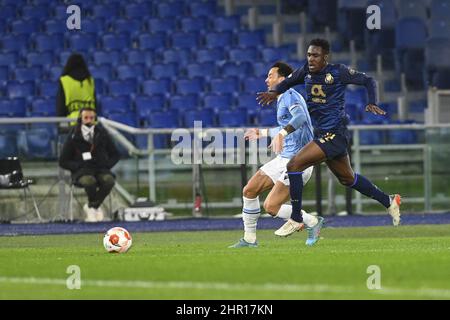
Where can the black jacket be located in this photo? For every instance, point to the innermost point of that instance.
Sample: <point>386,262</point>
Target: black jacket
<point>104,153</point>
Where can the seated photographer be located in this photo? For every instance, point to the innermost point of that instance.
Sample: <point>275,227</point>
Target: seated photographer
<point>89,154</point>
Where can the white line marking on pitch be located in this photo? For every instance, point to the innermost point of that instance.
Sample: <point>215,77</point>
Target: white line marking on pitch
<point>427,292</point>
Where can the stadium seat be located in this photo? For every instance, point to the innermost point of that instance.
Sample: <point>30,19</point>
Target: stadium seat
<point>8,59</point>
<point>25,27</point>
<point>14,107</point>
<point>43,108</point>
<point>184,40</point>
<point>253,85</point>
<point>40,59</point>
<point>228,23</point>
<point>224,85</point>
<point>44,42</point>
<point>47,89</point>
<point>126,71</point>
<point>170,9</point>
<point>106,12</point>
<point>440,10</point>
<point>248,101</point>
<point>218,39</point>
<point>210,55</point>
<point>243,55</point>
<point>353,112</point>
<point>117,104</point>
<point>180,56</point>
<point>138,11</point>
<point>93,25</point>
<point>8,145</point>
<point>161,86</point>
<point>20,90</point>
<point>146,105</point>
<point>352,15</point>
<point>152,41</point>
<point>133,57</point>
<point>14,43</point>
<point>205,70</point>
<point>189,86</point>
<point>184,102</point>
<point>156,25</point>
<point>8,12</point>
<point>267,117</point>
<point>271,55</point>
<point>441,79</point>
<point>104,57</point>
<point>250,38</point>
<point>83,42</point>
<point>103,71</point>
<point>410,33</point>
<point>38,12</point>
<point>233,69</point>
<point>198,24</point>
<point>322,13</point>
<point>37,143</point>
<point>413,8</point>
<point>440,29</point>
<point>123,87</point>
<point>22,74</point>
<point>206,116</point>
<point>57,26</point>
<point>260,69</point>
<point>218,101</point>
<point>54,73</point>
<point>370,137</point>
<point>130,26</point>
<point>4,73</point>
<point>129,118</point>
<point>232,118</point>
<point>202,8</point>
<point>164,70</point>
<point>115,41</point>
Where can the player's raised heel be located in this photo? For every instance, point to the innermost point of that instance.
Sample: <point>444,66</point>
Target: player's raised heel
<point>314,232</point>
<point>244,244</point>
<point>394,209</point>
<point>289,228</point>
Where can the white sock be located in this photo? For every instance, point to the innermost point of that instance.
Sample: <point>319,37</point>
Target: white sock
<point>250,215</point>
<point>309,220</point>
<point>284,212</point>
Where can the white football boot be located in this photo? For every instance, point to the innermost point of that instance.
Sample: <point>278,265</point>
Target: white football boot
<point>394,209</point>
<point>289,228</point>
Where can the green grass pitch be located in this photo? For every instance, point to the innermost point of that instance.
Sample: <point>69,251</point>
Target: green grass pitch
<point>414,263</point>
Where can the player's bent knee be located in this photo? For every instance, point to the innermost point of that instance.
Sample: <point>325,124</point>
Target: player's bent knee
<point>271,208</point>
<point>346,181</point>
<point>292,166</point>
<point>249,193</point>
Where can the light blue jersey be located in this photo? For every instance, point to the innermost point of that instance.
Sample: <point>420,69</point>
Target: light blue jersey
<point>292,109</point>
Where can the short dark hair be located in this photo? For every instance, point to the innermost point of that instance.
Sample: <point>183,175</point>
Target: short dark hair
<point>284,69</point>
<point>324,44</point>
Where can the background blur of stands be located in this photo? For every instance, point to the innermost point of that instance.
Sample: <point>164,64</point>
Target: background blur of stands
<point>165,64</point>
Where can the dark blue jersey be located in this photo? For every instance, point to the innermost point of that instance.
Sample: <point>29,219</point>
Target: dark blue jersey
<point>326,92</point>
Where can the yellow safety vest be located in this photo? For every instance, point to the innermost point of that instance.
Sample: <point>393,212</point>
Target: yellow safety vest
<point>79,94</point>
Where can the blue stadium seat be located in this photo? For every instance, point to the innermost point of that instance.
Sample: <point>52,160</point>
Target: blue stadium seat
<point>243,54</point>
<point>352,15</point>
<point>228,23</point>
<point>93,25</point>
<point>37,143</point>
<point>353,112</point>
<point>206,116</point>
<point>138,10</point>
<point>254,85</point>
<point>4,73</point>
<point>132,27</point>
<point>441,79</point>
<point>13,107</point>
<point>161,86</point>
<point>38,12</point>
<point>123,87</point>
<point>248,101</point>
<point>218,39</point>
<point>14,43</point>
<point>209,55</point>
<point>357,96</point>
<point>8,12</point>
<point>321,13</point>
<point>260,69</point>
<point>146,105</point>
<point>440,28</point>
<point>224,85</point>
<point>8,145</point>
<point>189,24</point>
<point>104,71</point>
<point>126,71</point>
<point>250,38</point>
<point>44,59</point>
<point>189,86</point>
<point>47,88</point>
<point>54,42</point>
<point>114,105</point>
<point>203,9</point>
<point>232,69</point>
<point>43,108</point>
<point>410,33</point>
<point>371,137</point>
<point>180,56</point>
<point>20,90</point>
<point>115,41</point>
<point>184,40</point>
<point>57,26</point>
<point>205,70</point>
<point>164,70</point>
<point>218,101</point>
<point>402,136</point>
<point>83,42</point>
<point>129,118</point>
<point>26,27</point>
<point>274,54</point>
<point>104,57</point>
<point>22,74</point>
<point>164,25</point>
<point>184,102</point>
<point>100,86</point>
<point>152,41</point>
<point>267,117</point>
<point>108,12</point>
<point>54,73</point>
<point>138,57</point>
<point>163,119</point>
<point>440,10</point>
<point>412,8</point>
<point>170,9</point>
<point>232,118</point>
<point>8,59</point>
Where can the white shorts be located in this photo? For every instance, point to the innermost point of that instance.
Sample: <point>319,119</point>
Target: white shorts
<point>275,169</point>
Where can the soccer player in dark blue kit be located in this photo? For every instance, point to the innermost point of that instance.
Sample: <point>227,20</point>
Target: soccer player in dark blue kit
<point>325,87</point>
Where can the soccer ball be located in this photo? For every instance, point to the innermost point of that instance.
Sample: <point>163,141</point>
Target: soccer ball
<point>117,240</point>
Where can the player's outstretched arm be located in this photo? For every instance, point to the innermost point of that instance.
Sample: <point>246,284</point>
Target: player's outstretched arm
<point>375,109</point>
<point>266,98</point>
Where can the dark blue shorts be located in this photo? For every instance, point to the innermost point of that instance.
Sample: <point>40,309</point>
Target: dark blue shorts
<point>333,144</point>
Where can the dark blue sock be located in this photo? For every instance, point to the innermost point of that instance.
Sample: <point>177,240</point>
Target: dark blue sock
<point>367,188</point>
<point>296,188</point>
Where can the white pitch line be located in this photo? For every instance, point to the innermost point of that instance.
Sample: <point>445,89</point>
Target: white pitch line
<point>316,288</point>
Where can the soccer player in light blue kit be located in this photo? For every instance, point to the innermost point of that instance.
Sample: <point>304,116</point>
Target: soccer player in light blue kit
<point>291,110</point>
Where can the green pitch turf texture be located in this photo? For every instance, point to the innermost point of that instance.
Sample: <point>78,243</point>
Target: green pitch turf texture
<point>414,262</point>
